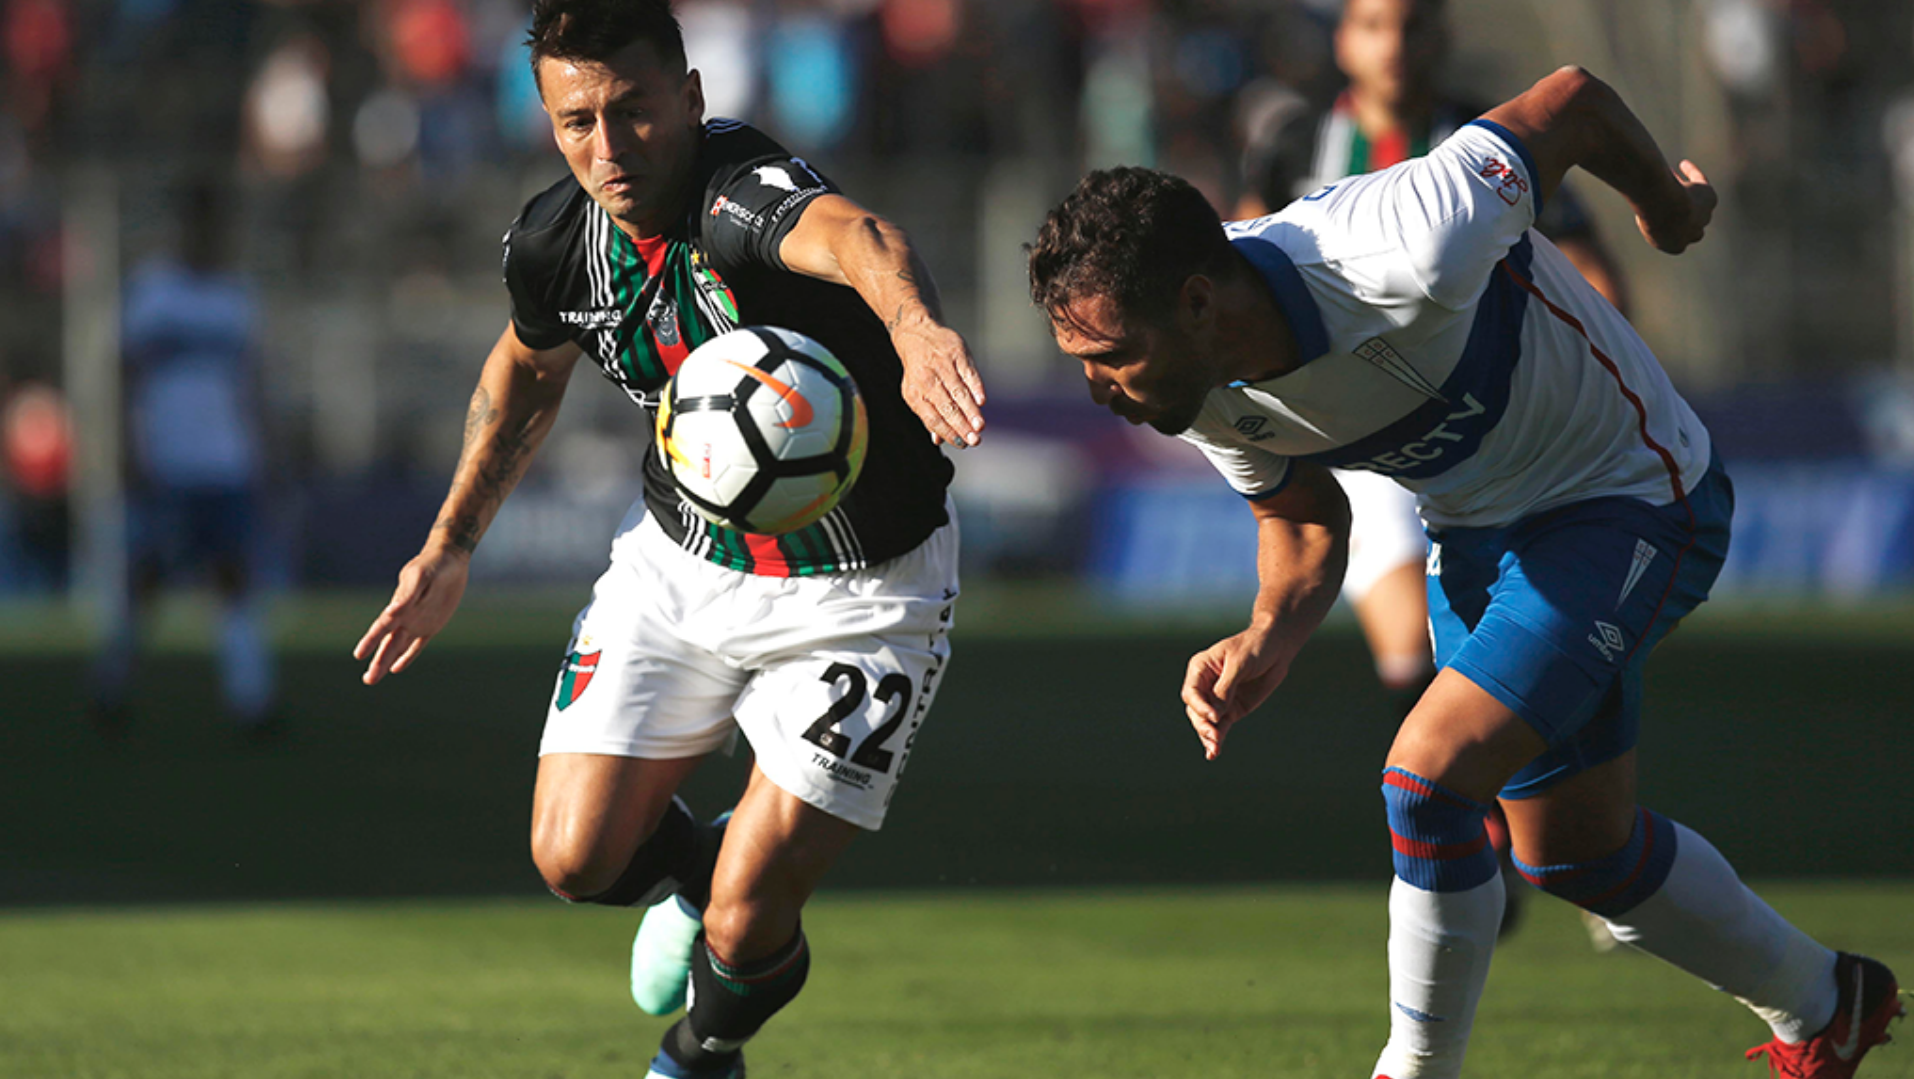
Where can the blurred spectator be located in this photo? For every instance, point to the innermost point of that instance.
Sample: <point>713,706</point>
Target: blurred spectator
<point>287,109</point>
<point>37,436</point>
<point>194,460</point>
<point>39,50</point>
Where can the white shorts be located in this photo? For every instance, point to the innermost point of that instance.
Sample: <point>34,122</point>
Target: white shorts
<point>1385,532</point>
<point>829,677</point>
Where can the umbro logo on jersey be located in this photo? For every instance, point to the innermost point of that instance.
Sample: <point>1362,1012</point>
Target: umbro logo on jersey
<point>598,318</point>
<point>1607,640</point>
<point>1251,427</point>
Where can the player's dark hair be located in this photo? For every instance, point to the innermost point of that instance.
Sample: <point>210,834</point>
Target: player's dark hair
<point>595,30</point>
<point>1131,235</point>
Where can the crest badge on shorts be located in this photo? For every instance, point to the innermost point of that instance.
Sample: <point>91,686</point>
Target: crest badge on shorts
<point>579,667</point>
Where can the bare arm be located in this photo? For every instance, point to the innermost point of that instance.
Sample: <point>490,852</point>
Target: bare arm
<point>1571,118</point>
<point>1302,547</point>
<point>839,241</point>
<point>512,410</point>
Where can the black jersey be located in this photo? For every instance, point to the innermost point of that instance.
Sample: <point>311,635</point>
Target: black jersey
<point>639,307</point>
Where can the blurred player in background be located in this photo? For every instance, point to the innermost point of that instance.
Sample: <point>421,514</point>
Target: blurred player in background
<point>194,461</point>
<point>1393,53</point>
<point>823,646</point>
<point>1410,322</point>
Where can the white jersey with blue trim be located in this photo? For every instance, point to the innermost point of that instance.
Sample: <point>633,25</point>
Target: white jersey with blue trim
<point>1447,346</point>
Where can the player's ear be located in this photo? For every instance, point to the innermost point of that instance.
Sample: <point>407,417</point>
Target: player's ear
<point>694,97</point>
<point>1196,303</point>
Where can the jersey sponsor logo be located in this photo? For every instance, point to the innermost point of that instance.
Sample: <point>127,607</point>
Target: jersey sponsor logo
<point>598,318</point>
<point>737,211</point>
<point>839,772</point>
<point>1437,441</point>
<point>775,176</point>
<point>1509,184</point>
<point>1381,355</point>
<point>1644,554</point>
<point>1251,428</point>
<point>1607,640</point>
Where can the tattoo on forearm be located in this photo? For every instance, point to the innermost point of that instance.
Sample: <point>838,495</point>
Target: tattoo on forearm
<point>501,458</point>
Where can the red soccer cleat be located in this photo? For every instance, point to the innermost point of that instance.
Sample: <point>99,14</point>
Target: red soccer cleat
<point>1869,1000</point>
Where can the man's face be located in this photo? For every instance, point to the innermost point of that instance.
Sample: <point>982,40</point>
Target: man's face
<point>629,129</point>
<point>1146,371</point>
<point>1390,49</point>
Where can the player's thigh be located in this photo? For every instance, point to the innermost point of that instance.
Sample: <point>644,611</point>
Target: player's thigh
<point>1586,816</point>
<point>633,709</point>
<point>777,849</point>
<point>590,813</point>
<point>1463,738</point>
<point>844,684</point>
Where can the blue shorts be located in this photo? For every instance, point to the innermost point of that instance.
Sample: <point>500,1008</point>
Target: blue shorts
<point>1555,615</point>
<point>176,530</point>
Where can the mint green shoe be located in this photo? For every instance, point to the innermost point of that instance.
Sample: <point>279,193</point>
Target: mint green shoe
<point>661,956</point>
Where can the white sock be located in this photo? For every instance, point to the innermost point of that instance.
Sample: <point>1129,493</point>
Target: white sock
<point>1705,921</point>
<point>245,662</point>
<point>1439,948</point>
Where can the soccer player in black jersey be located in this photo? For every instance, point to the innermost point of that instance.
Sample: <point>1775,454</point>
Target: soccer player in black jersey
<point>825,645</point>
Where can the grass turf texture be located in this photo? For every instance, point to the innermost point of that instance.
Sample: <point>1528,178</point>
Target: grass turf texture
<point>1214,983</point>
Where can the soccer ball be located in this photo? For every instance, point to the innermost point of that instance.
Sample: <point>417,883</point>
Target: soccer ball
<point>762,430</point>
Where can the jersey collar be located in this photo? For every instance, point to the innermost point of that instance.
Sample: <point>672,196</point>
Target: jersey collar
<point>1292,295</point>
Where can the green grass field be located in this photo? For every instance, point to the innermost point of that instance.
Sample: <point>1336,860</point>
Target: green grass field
<point>1214,983</point>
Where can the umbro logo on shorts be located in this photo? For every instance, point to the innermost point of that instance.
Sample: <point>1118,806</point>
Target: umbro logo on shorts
<point>1607,640</point>
<point>1251,427</point>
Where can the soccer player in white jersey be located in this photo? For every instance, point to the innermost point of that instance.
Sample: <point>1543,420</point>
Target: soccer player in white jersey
<point>1408,322</point>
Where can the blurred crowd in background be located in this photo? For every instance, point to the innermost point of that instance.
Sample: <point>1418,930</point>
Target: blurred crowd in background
<point>369,154</point>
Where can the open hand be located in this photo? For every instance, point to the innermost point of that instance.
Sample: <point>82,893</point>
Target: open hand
<point>430,587</point>
<point>941,383</point>
<point>1672,227</point>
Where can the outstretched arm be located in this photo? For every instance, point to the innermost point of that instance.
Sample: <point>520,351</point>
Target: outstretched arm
<point>839,241</point>
<point>512,410</point>
<point>1302,547</point>
<point>1572,118</point>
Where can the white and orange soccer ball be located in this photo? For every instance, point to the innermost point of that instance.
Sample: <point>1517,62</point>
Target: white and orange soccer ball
<point>762,430</point>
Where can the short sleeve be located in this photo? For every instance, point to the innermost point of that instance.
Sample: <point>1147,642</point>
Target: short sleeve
<point>534,317</point>
<point>750,206</point>
<point>1249,470</point>
<point>1456,212</point>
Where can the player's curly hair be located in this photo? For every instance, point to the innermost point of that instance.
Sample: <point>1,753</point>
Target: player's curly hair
<point>595,30</point>
<point>1132,235</point>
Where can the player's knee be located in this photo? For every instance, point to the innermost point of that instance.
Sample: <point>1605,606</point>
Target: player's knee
<point>1440,839</point>
<point>573,871</point>
<point>744,927</point>
<point>1613,885</point>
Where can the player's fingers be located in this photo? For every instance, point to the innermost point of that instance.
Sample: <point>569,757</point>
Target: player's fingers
<point>955,421</point>
<point>378,629</point>
<point>389,648</point>
<point>1691,172</point>
<point>405,660</point>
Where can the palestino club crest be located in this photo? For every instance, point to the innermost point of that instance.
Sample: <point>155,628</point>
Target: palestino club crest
<point>576,675</point>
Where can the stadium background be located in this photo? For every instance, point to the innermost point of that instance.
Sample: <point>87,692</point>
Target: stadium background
<point>374,153</point>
